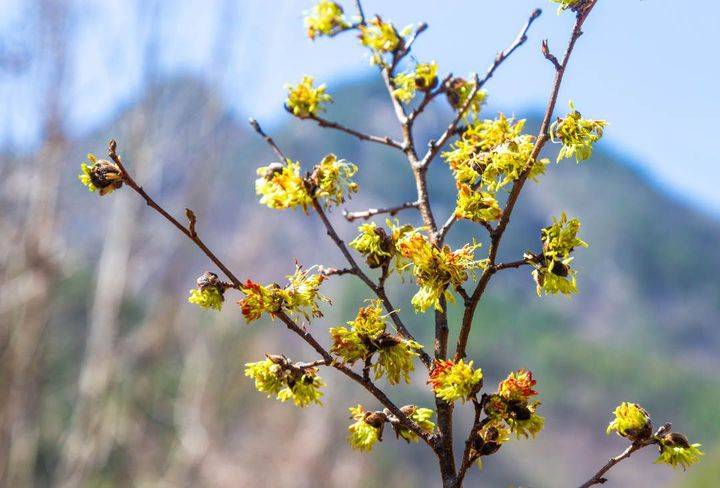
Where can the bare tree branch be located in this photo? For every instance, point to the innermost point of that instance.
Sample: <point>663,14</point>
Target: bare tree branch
<point>191,234</point>
<point>387,140</point>
<point>371,212</point>
<point>255,125</point>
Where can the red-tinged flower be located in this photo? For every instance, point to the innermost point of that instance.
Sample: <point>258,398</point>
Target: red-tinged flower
<point>518,385</point>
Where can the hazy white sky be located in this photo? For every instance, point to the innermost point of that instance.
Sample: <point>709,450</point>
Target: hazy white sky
<point>649,67</point>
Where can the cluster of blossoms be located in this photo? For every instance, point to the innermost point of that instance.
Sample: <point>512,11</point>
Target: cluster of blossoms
<point>281,186</point>
<point>366,336</point>
<point>633,422</point>
<point>100,175</point>
<point>457,93</point>
<point>509,411</point>
<point>552,272</point>
<point>276,375</point>
<point>576,134</point>
<point>381,38</point>
<point>435,269</point>
<point>422,78</point>
<point>305,99</point>
<point>489,155</point>
<point>368,426</point>
<point>299,297</point>
<point>325,19</point>
<point>378,246</point>
<point>453,381</point>
<point>210,291</point>
<point>331,180</point>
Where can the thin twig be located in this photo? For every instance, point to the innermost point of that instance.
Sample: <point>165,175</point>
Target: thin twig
<point>361,13</point>
<point>188,231</point>
<point>519,41</point>
<point>386,140</point>
<point>429,97</point>
<point>371,212</point>
<point>598,478</point>
<point>336,271</point>
<point>512,264</point>
<point>255,125</point>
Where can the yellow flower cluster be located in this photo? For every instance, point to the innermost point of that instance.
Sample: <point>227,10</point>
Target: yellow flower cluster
<point>378,245</point>
<point>676,450</point>
<point>488,156</point>
<point>367,336</point>
<point>512,405</point>
<point>488,439</point>
<point>631,421</point>
<point>577,135</point>
<point>305,99</point>
<point>552,272</point>
<point>435,269</point>
<point>280,186</point>
<point>367,429</point>
<point>459,91</point>
<point>299,297</point>
<point>209,292</point>
<point>332,179</point>
<point>423,78</point>
<point>325,19</point>
<point>381,38</point>
<point>278,376</point>
<point>453,381</point>
<point>100,175</point>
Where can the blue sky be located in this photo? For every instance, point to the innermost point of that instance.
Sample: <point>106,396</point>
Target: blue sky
<point>649,67</point>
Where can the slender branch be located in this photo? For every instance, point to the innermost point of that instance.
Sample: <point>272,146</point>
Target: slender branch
<point>519,41</point>
<point>336,271</point>
<point>407,46</point>
<point>361,13</point>
<point>366,383</point>
<point>598,478</point>
<point>387,140</point>
<point>255,125</point>
<point>429,97</point>
<point>542,138</point>
<point>371,212</point>
<point>189,231</point>
<point>512,264</point>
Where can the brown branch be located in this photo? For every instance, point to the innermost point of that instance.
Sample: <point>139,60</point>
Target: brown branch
<point>386,140</point>
<point>361,13</point>
<point>407,46</point>
<point>513,264</point>
<point>429,97</point>
<point>365,383</point>
<point>371,212</point>
<point>542,138</point>
<point>336,271</point>
<point>255,125</point>
<point>519,41</point>
<point>188,231</point>
<point>598,478</point>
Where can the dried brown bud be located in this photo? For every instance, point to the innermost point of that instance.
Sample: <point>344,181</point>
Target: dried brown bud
<point>106,176</point>
<point>209,280</point>
<point>675,439</point>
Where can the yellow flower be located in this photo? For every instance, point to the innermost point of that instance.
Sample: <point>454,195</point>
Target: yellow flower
<point>458,92</point>
<point>576,134</point>
<point>209,292</point>
<point>423,78</point>
<point>367,429</point>
<point>676,450</point>
<point>565,4</point>
<point>100,175</point>
<point>373,243</point>
<point>332,179</point>
<point>631,421</point>
<point>476,206</point>
<point>325,19</point>
<point>435,269</point>
<point>305,99</point>
<point>276,375</point>
<point>380,37</point>
<point>455,381</point>
<point>281,186</point>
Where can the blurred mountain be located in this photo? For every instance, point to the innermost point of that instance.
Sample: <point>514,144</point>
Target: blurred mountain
<point>174,407</point>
